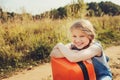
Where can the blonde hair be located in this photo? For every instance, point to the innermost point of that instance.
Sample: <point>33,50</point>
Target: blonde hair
<point>85,26</point>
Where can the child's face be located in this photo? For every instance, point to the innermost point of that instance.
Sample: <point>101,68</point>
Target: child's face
<point>79,38</point>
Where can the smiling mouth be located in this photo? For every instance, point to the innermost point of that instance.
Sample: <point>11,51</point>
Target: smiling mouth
<point>79,44</point>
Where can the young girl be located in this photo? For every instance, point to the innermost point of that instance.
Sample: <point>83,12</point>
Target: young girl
<point>84,47</point>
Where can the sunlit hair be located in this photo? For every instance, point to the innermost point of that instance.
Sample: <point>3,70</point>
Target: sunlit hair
<point>85,26</point>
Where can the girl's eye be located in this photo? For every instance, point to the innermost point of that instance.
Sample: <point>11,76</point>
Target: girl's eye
<point>74,36</point>
<point>81,36</point>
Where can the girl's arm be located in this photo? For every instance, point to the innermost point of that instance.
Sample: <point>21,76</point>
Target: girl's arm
<point>93,50</point>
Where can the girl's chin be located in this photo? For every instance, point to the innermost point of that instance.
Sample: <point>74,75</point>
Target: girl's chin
<point>79,47</point>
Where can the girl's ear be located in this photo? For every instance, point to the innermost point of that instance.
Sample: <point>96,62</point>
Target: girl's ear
<point>91,37</point>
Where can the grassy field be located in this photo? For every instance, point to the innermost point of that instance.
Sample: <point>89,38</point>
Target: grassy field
<point>24,43</point>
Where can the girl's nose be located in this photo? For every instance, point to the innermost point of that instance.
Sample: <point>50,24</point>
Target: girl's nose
<point>78,39</point>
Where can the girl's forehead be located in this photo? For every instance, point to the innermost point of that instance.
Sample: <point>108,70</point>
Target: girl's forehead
<point>78,31</point>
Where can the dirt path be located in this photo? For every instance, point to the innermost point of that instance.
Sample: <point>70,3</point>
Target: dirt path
<point>43,72</point>
<point>114,55</point>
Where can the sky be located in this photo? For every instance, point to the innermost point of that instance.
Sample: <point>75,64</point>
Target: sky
<point>38,6</point>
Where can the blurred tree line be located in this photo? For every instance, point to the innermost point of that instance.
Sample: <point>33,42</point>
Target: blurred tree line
<point>80,9</point>
<point>75,9</point>
<point>103,8</point>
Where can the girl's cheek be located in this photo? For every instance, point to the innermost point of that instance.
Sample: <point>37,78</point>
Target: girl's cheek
<point>72,39</point>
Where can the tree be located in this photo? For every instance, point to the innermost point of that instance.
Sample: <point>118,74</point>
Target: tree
<point>95,9</point>
<point>61,12</point>
<point>1,13</point>
<point>110,8</point>
<point>54,14</point>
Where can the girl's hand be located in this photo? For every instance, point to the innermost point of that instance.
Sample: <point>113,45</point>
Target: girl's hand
<point>56,51</point>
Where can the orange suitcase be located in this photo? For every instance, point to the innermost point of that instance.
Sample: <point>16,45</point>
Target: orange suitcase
<point>62,69</point>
